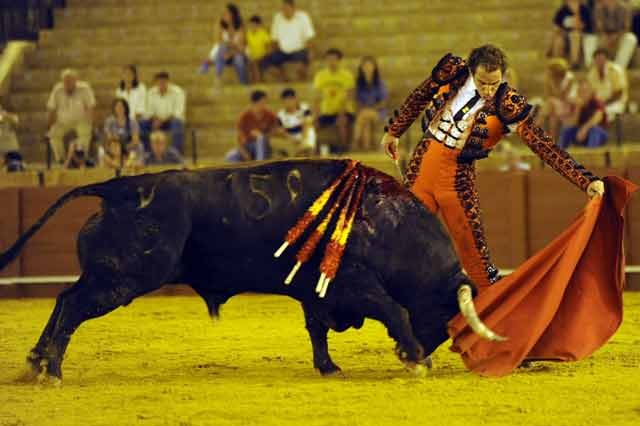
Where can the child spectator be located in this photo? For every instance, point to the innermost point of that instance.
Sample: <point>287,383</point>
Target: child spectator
<point>230,45</point>
<point>588,122</point>
<point>296,119</point>
<point>161,154</point>
<point>334,96</point>
<point>258,46</point>
<point>371,95</point>
<point>134,92</point>
<point>255,125</point>
<point>113,156</point>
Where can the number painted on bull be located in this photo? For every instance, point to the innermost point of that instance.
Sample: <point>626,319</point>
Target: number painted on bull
<point>254,182</point>
<point>294,184</point>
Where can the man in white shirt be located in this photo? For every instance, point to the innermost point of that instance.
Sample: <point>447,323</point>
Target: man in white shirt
<point>609,82</point>
<point>291,32</point>
<point>296,119</point>
<point>166,104</point>
<point>70,106</point>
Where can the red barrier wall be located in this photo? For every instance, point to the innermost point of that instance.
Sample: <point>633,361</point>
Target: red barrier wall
<point>10,226</point>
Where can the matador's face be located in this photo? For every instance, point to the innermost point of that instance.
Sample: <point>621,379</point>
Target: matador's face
<point>487,82</point>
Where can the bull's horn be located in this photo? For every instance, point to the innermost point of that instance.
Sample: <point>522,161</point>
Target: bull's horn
<point>468,310</point>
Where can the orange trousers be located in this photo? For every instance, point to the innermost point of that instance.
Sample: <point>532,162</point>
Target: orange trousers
<point>448,188</point>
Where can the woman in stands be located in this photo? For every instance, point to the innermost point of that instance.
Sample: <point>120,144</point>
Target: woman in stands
<point>371,95</point>
<point>120,126</point>
<point>133,91</point>
<point>230,45</point>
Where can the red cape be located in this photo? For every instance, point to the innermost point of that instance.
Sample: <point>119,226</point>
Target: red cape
<point>563,303</point>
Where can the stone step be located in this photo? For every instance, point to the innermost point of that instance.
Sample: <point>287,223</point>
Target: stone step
<point>177,14</point>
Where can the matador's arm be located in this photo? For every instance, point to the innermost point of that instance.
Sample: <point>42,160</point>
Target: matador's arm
<point>513,110</point>
<point>448,69</point>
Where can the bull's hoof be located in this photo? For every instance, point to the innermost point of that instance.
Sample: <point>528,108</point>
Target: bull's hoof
<point>428,362</point>
<point>329,370</point>
<point>49,380</point>
<point>418,370</point>
<point>29,375</point>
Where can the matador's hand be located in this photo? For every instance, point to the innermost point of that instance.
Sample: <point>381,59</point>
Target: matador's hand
<point>390,145</point>
<point>595,189</point>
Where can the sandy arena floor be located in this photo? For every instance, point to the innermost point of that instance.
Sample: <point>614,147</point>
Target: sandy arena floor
<point>161,361</point>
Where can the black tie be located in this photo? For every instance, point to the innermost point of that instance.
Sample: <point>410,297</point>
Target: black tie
<point>467,107</point>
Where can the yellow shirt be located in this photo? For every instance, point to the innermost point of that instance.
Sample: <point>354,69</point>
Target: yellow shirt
<point>334,88</point>
<point>258,43</point>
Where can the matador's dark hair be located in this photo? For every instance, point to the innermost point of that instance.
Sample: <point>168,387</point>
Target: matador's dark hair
<point>489,56</point>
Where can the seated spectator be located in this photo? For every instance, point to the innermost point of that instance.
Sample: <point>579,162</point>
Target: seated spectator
<point>296,119</point>
<point>258,46</point>
<point>112,155</point>
<point>255,126</point>
<point>609,82</point>
<point>371,96</point>
<point>587,127</point>
<point>8,138</point>
<point>512,159</point>
<point>13,162</point>
<point>291,31</point>
<point>71,106</point>
<point>161,153</point>
<point>612,23</point>
<point>560,90</point>
<point>334,96</point>
<point>134,92</point>
<point>121,126</point>
<point>230,45</point>
<point>77,157</point>
<point>571,21</point>
<point>166,107</point>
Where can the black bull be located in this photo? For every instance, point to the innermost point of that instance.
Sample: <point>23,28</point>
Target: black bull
<point>216,230</point>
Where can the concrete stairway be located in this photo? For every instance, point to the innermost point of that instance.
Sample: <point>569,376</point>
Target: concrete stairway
<point>407,37</point>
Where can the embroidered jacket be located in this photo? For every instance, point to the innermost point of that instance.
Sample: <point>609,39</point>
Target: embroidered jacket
<point>510,111</point>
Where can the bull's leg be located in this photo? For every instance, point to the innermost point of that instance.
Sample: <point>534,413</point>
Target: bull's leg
<point>88,298</point>
<point>318,334</point>
<point>377,304</point>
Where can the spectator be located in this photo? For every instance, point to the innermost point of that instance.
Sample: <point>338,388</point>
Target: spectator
<point>121,126</point>
<point>291,31</point>
<point>258,46</point>
<point>560,89</point>
<point>372,96</point>
<point>512,159</point>
<point>77,157</point>
<point>71,106</point>
<point>571,21</point>
<point>134,92</point>
<point>166,108</point>
<point>13,162</point>
<point>612,22</point>
<point>609,82</point>
<point>588,122</point>
<point>296,119</point>
<point>334,96</point>
<point>230,45</point>
<point>161,154</point>
<point>112,155</point>
<point>8,138</point>
<point>255,126</point>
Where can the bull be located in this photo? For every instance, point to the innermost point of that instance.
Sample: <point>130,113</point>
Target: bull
<point>216,230</point>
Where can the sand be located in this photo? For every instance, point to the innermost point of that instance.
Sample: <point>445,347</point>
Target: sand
<point>162,361</point>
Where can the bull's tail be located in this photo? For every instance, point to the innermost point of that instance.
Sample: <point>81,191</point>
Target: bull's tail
<point>83,191</point>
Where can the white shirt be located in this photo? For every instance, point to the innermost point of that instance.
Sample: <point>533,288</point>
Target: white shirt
<point>74,108</point>
<point>293,122</point>
<point>455,134</point>
<point>292,34</point>
<point>172,103</point>
<point>136,98</point>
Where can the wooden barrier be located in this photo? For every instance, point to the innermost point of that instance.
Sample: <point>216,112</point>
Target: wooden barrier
<point>80,177</point>
<point>10,226</point>
<point>19,179</point>
<point>52,251</point>
<point>633,226</point>
<point>503,199</point>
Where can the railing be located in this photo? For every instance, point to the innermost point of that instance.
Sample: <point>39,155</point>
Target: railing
<point>23,19</point>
